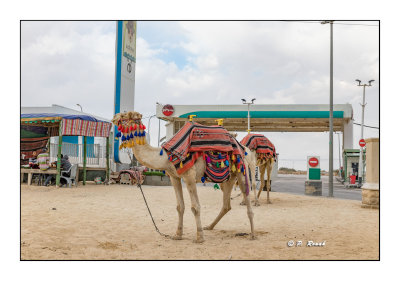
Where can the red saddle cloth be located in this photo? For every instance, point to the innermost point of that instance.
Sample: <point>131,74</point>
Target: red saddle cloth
<point>194,139</point>
<point>261,144</point>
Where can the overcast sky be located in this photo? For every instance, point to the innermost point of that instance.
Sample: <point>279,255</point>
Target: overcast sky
<point>193,62</point>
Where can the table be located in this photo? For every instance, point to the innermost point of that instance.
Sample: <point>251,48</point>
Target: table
<point>30,172</point>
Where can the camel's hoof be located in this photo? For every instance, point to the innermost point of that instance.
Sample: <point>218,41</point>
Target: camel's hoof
<point>256,204</point>
<point>199,240</point>
<point>208,227</point>
<point>253,237</point>
<point>269,202</point>
<point>242,203</point>
<point>177,237</point>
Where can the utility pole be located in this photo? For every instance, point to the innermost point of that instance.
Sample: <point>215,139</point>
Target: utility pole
<point>248,113</point>
<point>330,112</point>
<point>361,162</point>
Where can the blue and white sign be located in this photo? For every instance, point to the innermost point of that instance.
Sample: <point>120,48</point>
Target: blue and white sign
<point>125,62</point>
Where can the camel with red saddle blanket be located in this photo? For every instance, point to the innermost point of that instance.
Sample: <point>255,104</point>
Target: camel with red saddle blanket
<point>188,164</point>
<point>260,152</point>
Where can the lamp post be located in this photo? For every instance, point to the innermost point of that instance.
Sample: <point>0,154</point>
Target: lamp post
<point>148,129</point>
<point>330,112</point>
<point>248,112</point>
<point>361,163</point>
<point>79,106</point>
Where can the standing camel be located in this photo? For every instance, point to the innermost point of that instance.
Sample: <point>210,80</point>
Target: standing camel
<point>154,158</point>
<point>254,144</point>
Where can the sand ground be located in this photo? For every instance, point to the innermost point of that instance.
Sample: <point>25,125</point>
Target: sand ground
<point>112,223</point>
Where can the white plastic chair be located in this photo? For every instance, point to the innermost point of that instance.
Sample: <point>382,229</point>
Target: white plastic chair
<point>72,174</point>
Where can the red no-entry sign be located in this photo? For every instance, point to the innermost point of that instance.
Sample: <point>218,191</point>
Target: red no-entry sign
<point>313,162</point>
<point>362,142</point>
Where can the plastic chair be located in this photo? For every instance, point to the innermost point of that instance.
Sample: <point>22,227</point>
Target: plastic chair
<point>72,174</point>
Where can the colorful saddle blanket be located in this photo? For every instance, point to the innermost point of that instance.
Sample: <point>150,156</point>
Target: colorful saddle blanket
<point>262,145</point>
<point>217,169</point>
<point>193,140</point>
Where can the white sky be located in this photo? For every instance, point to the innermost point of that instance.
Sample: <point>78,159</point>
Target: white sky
<point>181,62</point>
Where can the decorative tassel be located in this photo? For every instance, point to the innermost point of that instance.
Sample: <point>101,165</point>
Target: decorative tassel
<point>144,133</point>
<point>203,179</point>
<point>222,164</point>
<point>208,160</point>
<point>163,172</point>
<point>131,136</point>
<point>238,160</point>
<point>135,134</point>
<point>227,163</point>
<point>233,168</point>
<point>144,127</point>
<point>181,165</point>
<point>242,169</point>
<point>219,156</point>
<point>233,157</point>
<point>119,127</point>
<point>137,140</point>
<point>217,164</point>
<point>216,186</point>
<point>123,138</point>
<point>161,151</point>
<point>131,128</point>
<point>245,153</point>
<point>134,127</point>
<point>118,134</point>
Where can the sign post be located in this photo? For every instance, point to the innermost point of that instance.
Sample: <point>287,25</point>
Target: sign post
<point>313,184</point>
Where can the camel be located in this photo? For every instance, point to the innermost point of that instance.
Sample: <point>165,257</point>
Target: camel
<point>254,160</point>
<point>152,157</point>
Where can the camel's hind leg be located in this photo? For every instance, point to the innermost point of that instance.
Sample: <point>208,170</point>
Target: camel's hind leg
<point>241,180</point>
<point>180,206</point>
<point>270,164</point>
<point>226,188</point>
<point>191,186</point>
<point>262,173</point>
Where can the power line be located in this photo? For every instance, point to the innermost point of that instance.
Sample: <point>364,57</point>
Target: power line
<point>319,22</point>
<point>366,126</point>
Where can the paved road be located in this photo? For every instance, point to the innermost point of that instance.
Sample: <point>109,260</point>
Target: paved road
<point>295,184</point>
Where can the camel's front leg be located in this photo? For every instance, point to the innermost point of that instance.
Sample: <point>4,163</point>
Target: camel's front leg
<point>270,164</point>
<point>241,180</point>
<point>180,206</point>
<point>262,172</point>
<point>191,186</point>
<point>226,203</point>
<point>253,183</point>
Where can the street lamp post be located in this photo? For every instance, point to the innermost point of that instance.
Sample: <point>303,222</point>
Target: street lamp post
<point>79,106</point>
<point>248,112</point>
<point>361,163</point>
<point>148,129</point>
<point>330,113</point>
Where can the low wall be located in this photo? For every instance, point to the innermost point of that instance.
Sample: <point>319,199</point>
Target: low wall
<point>157,180</point>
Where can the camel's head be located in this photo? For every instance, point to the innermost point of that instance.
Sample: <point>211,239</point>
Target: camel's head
<point>130,128</point>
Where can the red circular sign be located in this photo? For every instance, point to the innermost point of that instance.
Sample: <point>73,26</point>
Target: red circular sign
<point>362,142</point>
<point>313,162</point>
<point>168,110</point>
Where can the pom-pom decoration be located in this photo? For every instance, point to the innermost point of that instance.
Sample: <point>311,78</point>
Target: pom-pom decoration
<point>203,179</point>
<point>161,151</point>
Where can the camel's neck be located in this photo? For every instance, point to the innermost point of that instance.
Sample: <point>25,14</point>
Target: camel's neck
<point>150,156</point>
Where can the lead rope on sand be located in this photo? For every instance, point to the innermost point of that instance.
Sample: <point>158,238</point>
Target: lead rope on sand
<point>162,234</point>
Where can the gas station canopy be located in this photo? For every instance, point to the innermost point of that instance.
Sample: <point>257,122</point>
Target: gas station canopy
<point>263,118</point>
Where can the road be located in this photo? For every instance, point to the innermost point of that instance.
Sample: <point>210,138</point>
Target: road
<point>295,184</point>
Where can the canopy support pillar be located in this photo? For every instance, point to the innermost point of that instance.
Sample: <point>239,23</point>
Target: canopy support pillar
<point>84,159</point>
<point>59,156</point>
<point>108,159</point>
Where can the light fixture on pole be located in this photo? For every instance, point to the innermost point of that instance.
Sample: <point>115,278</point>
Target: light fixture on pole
<point>79,106</point>
<point>361,163</point>
<point>248,112</point>
<point>330,112</point>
